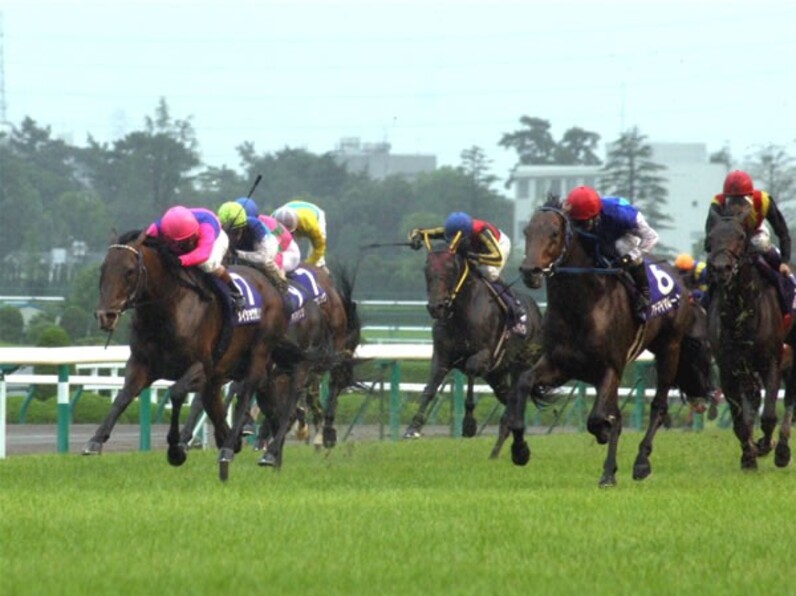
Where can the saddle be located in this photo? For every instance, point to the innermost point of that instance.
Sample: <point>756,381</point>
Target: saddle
<point>784,284</point>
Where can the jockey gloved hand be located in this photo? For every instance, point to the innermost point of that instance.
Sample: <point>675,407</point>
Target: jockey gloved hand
<point>784,269</point>
<point>416,243</point>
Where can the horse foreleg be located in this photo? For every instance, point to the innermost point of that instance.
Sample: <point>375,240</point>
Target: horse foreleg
<point>782,452</point>
<point>438,372</point>
<point>193,380</point>
<point>666,364</point>
<point>768,419</point>
<point>469,424</point>
<point>136,379</point>
<point>286,394</point>
<point>189,428</point>
<point>605,423</point>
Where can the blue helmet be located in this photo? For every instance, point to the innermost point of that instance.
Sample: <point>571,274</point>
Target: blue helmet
<point>251,208</point>
<point>458,221</point>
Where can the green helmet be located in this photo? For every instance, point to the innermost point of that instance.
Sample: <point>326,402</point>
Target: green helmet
<point>232,215</point>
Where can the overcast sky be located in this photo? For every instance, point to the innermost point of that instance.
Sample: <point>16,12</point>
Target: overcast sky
<point>428,77</point>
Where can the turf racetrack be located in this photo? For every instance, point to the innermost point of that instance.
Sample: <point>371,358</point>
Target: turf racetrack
<point>433,516</point>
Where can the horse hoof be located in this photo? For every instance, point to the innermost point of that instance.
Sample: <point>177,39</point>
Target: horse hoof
<point>176,456</point>
<point>303,433</point>
<point>608,481</point>
<point>268,459</point>
<point>748,462</point>
<point>329,437</point>
<point>226,455</point>
<point>641,469</point>
<point>520,453</point>
<point>247,430</point>
<point>782,455</point>
<point>469,427</point>
<point>223,470</point>
<point>763,447</point>
<point>93,448</point>
<point>713,411</point>
<point>412,433</point>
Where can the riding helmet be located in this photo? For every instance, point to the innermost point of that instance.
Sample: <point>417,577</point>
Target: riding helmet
<point>287,216</point>
<point>738,183</point>
<point>684,262</point>
<point>232,215</point>
<point>179,223</point>
<point>584,203</point>
<point>458,221</point>
<point>251,208</point>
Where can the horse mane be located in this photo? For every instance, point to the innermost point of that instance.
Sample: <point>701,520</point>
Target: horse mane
<point>553,201</point>
<point>128,236</point>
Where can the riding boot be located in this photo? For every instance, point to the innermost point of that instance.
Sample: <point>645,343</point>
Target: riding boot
<point>516,317</point>
<point>639,275</point>
<point>238,301</point>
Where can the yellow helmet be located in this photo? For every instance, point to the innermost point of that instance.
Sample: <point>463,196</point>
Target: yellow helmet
<point>684,262</point>
<point>232,215</point>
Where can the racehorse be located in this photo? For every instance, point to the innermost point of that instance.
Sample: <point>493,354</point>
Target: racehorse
<point>748,331</point>
<point>590,334</point>
<point>279,402</point>
<point>180,332</point>
<point>469,334</point>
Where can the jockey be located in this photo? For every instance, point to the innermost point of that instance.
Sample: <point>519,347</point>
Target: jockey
<point>620,228</point>
<point>695,276</point>
<point>289,252</point>
<point>739,191</point>
<point>306,220</point>
<point>253,242</point>
<point>196,236</point>
<point>485,245</point>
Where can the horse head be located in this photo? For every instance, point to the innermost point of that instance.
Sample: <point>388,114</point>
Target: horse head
<point>122,277</point>
<point>729,241</point>
<point>547,239</point>
<point>445,275</point>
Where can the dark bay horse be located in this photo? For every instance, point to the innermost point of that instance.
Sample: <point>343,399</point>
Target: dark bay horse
<point>335,355</point>
<point>469,334</point>
<point>590,335</point>
<point>179,333</point>
<point>748,332</point>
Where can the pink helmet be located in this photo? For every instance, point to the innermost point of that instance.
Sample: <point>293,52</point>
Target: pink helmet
<point>178,223</point>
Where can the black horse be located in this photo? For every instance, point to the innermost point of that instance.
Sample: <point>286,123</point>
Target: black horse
<point>748,331</point>
<point>470,335</point>
<point>590,335</point>
<point>180,331</point>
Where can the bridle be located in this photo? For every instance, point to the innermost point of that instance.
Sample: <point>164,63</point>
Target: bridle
<point>555,266</point>
<point>447,304</point>
<point>130,300</point>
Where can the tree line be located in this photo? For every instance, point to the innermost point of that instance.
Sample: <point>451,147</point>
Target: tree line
<point>54,194</point>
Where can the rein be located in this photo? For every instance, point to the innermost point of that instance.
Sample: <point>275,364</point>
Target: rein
<point>556,267</point>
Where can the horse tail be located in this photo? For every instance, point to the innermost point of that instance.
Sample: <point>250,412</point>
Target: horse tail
<point>693,369</point>
<point>344,281</point>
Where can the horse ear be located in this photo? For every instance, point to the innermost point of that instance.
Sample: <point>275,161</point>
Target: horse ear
<point>113,236</point>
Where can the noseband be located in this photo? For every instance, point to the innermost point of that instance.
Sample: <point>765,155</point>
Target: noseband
<point>130,300</point>
<point>451,297</point>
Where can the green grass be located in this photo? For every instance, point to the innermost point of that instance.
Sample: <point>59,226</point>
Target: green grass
<point>422,517</point>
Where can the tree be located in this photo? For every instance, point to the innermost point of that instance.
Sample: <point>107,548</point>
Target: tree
<point>11,324</point>
<point>577,147</point>
<point>774,170</point>
<point>475,164</point>
<point>147,171</point>
<point>629,172</point>
<point>534,144</point>
<point>722,156</point>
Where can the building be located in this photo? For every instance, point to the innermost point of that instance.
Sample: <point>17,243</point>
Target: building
<point>375,160</point>
<point>691,181</point>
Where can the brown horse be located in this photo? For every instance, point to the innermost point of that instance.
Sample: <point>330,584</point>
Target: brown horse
<point>590,335</point>
<point>180,332</point>
<point>748,332</point>
<point>278,404</point>
<point>469,334</point>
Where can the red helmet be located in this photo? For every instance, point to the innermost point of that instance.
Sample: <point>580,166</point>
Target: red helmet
<point>584,203</point>
<point>179,223</point>
<point>738,183</point>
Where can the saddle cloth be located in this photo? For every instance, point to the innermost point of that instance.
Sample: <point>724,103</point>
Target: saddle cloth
<point>665,290</point>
